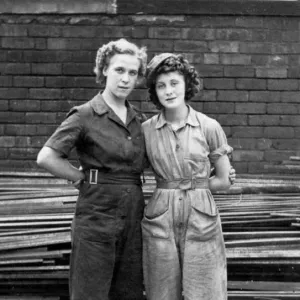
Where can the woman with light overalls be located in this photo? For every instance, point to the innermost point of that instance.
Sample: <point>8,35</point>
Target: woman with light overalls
<point>183,246</point>
<point>106,258</point>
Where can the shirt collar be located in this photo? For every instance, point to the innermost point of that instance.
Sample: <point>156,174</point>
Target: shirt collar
<point>190,120</point>
<point>101,107</point>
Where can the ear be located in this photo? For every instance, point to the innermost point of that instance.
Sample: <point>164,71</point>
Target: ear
<point>104,71</point>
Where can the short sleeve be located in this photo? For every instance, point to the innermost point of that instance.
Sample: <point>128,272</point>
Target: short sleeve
<point>217,141</point>
<point>67,134</point>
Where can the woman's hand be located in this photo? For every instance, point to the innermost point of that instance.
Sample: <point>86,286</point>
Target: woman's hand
<point>232,175</point>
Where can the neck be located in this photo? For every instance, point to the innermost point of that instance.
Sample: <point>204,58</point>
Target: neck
<point>177,115</point>
<point>112,100</point>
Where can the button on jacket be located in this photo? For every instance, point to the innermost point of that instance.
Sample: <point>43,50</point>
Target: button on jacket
<point>106,258</point>
<point>182,235</point>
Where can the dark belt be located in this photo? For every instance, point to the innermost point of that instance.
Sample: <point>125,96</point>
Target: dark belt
<point>183,184</point>
<point>95,176</point>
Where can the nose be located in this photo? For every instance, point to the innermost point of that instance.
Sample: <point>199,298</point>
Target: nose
<point>169,90</point>
<point>125,77</point>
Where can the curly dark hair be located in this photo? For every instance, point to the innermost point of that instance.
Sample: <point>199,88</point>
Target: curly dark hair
<point>172,64</point>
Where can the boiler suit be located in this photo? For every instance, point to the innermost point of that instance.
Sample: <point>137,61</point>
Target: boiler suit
<point>183,246</point>
<point>106,258</point>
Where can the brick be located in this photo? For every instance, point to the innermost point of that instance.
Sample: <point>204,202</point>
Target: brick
<point>15,93</point>
<point>205,95</point>
<point>233,96</point>
<point>18,42</point>
<point>77,69</point>
<point>7,141</point>
<point>83,56</point>
<point>44,30</point>
<point>40,43</point>
<point>12,30</point>
<point>54,106</point>
<point>2,128</point>
<point>259,60</point>
<point>277,61</point>
<point>233,34</point>
<point>47,56</point>
<point>283,84</point>
<point>281,48</point>
<point>28,81</point>
<point>290,23</point>
<point>12,117</point>
<point>138,95</point>
<point>240,167</point>
<point>17,68</point>
<point>46,129</point>
<point>264,144</point>
<point>21,129</point>
<point>140,32</point>
<point>250,108</point>
<point>278,108</point>
<point>24,105</point>
<point>22,141</point>
<point>235,59</point>
<point>289,120</point>
<point>255,48</point>
<point>218,107</point>
<point>23,153</point>
<point>286,144</point>
<point>257,168</point>
<point>224,46</point>
<point>148,107</point>
<point>259,120</point>
<point>79,31</point>
<point>5,81</point>
<point>240,143</point>
<point>112,32</point>
<point>85,20</point>
<point>297,132</point>
<point>271,72</point>
<point>3,153</point>
<point>279,132</point>
<point>193,58</point>
<point>209,71</point>
<point>239,71</point>
<point>190,46</point>
<point>273,23</point>
<point>68,81</point>
<point>276,155</point>
<point>208,21</point>
<point>44,93</point>
<point>11,55</point>
<point>251,84</point>
<point>38,141</point>
<point>294,72</point>
<point>65,43</point>
<point>18,165</point>
<point>3,105</point>
<point>290,36</point>
<point>164,32</point>
<point>249,21</point>
<point>149,20</point>
<point>46,69</point>
<point>40,118</point>
<point>247,132</point>
<point>198,34</point>
<point>232,120</point>
<point>48,19</point>
<point>79,94</point>
<point>219,83</point>
<point>264,96</point>
<point>211,58</point>
<point>198,106</point>
<point>227,130</point>
<point>247,155</point>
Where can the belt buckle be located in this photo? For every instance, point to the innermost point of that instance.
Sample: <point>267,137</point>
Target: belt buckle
<point>93,176</point>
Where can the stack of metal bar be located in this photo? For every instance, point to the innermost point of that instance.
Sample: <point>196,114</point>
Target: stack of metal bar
<point>260,219</point>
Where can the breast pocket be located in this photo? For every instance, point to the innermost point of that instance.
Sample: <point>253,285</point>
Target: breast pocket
<point>204,221</point>
<point>156,220</point>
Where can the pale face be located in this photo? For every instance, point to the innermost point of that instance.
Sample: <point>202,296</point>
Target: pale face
<point>170,90</point>
<point>121,75</point>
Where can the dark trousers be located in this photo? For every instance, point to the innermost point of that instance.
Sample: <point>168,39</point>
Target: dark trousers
<point>106,258</point>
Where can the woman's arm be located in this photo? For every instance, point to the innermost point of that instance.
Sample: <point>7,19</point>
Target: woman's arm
<point>53,162</point>
<point>221,179</point>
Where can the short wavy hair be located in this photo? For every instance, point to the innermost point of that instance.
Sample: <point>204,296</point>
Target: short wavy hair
<point>182,66</point>
<point>121,46</point>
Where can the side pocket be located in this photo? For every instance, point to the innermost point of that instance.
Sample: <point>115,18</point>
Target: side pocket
<point>203,225</point>
<point>156,220</point>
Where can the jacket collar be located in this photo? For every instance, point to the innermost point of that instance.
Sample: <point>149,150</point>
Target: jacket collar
<point>101,107</point>
<point>190,120</point>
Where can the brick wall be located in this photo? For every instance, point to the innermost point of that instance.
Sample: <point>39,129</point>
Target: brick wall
<point>250,66</point>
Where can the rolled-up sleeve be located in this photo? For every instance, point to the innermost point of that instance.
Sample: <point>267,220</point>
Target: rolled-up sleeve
<point>217,142</point>
<point>67,134</point>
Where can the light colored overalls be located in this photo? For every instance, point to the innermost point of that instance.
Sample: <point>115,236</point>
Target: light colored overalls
<point>183,246</point>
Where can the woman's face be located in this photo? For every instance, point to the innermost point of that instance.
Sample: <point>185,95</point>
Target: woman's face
<point>170,90</point>
<point>121,75</point>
